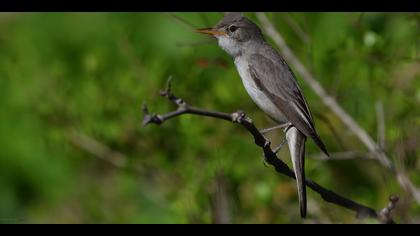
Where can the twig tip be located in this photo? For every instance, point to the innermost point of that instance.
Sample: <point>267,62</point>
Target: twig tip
<point>144,109</point>
<point>167,91</point>
<point>394,198</point>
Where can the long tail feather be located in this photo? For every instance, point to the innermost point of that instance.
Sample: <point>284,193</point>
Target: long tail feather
<point>296,141</point>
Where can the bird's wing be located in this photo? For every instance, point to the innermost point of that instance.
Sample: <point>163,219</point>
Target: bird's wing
<point>279,83</point>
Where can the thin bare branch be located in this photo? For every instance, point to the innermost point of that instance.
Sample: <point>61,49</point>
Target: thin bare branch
<point>220,201</point>
<point>98,149</point>
<point>270,156</point>
<point>182,20</point>
<point>324,119</point>
<point>335,156</point>
<point>385,214</point>
<point>380,118</point>
<point>332,104</point>
<point>296,28</point>
<point>204,19</point>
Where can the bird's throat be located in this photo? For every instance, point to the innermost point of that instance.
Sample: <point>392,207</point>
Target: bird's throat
<point>229,45</point>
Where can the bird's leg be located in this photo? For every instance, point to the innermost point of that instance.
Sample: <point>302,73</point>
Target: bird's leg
<point>267,130</point>
<point>278,148</point>
<point>286,127</point>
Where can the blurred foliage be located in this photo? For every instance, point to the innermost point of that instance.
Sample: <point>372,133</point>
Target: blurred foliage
<point>89,73</point>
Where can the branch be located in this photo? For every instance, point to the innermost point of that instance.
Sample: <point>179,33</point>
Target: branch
<point>220,201</point>
<point>340,156</point>
<point>182,20</point>
<point>242,119</point>
<point>385,214</point>
<point>296,28</point>
<point>380,117</point>
<point>332,104</point>
<point>98,149</point>
<point>102,152</point>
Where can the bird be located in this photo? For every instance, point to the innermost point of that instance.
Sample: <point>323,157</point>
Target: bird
<point>272,85</point>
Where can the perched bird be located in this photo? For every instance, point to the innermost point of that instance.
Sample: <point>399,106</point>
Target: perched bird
<point>272,85</point>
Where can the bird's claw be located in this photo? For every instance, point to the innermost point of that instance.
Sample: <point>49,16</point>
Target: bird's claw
<point>238,116</point>
<point>267,143</point>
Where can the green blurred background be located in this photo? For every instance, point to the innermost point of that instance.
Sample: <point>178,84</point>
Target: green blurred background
<point>73,149</point>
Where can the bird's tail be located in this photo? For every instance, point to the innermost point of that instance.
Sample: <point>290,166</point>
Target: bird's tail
<point>296,141</point>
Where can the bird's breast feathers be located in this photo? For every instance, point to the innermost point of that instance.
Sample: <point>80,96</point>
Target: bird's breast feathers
<point>258,96</point>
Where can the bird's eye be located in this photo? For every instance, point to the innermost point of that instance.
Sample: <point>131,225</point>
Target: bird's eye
<point>233,28</point>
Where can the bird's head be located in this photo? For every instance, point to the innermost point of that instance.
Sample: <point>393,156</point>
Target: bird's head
<point>235,33</point>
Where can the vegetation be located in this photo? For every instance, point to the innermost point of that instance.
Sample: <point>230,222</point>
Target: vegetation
<point>73,149</point>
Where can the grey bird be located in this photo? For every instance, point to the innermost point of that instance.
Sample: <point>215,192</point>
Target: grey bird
<point>272,85</point>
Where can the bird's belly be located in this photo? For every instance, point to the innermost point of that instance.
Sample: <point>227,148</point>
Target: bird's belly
<point>262,101</point>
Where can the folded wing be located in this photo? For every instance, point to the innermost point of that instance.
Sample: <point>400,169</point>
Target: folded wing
<point>284,92</point>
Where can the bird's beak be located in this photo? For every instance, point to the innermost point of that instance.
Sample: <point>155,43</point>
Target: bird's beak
<point>210,31</point>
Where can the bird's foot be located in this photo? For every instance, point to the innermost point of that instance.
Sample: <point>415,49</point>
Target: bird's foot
<point>267,144</point>
<point>238,116</point>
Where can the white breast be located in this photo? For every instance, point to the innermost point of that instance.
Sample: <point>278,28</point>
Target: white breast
<point>262,101</point>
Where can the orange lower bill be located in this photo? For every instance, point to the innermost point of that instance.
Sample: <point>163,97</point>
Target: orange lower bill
<point>210,31</point>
